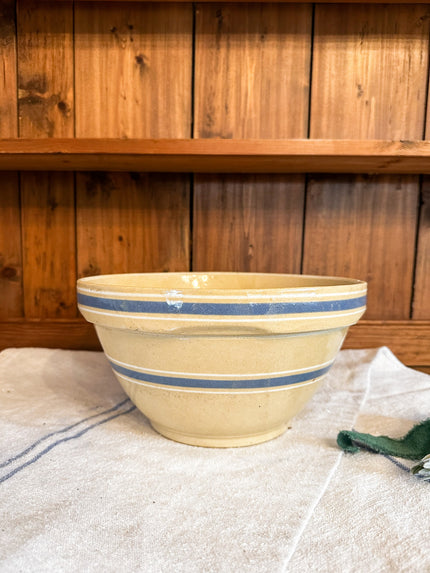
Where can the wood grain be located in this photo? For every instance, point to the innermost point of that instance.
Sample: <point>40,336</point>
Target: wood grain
<point>257,220</point>
<point>11,293</point>
<point>133,80</point>
<point>252,70</point>
<point>133,70</point>
<point>45,103</point>
<point>421,304</point>
<point>45,69</point>
<point>217,155</point>
<point>368,81</point>
<point>8,85</point>
<point>358,236</point>
<point>70,334</point>
<point>132,223</point>
<point>10,248</point>
<point>409,340</point>
<point>48,246</point>
<point>369,72</point>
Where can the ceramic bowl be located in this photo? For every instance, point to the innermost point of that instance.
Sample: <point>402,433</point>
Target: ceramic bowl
<point>220,359</point>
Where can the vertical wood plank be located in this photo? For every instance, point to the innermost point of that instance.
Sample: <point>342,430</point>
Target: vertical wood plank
<point>369,71</point>
<point>133,69</point>
<point>133,79</point>
<point>421,302</point>
<point>45,68</point>
<point>45,104</point>
<point>11,294</point>
<point>49,245</point>
<point>251,81</point>
<point>130,223</point>
<point>8,88</point>
<point>252,70</point>
<point>364,228</point>
<point>251,223</point>
<point>369,79</point>
<point>421,305</point>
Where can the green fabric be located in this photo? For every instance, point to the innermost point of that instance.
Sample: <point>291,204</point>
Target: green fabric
<point>414,446</point>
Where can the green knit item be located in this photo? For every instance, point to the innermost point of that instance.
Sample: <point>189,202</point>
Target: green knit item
<point>413,446</point>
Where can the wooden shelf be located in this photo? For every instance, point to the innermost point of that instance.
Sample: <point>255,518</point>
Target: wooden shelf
<point>216,155</point>
<point>408,339</point>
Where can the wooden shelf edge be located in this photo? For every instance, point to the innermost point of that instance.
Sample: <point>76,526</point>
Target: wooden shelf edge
<point>216,155</point>
<point>409,340</point>
<point>68,334</point>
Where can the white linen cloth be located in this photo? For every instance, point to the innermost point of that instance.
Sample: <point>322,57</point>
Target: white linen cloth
<point>86,485</point>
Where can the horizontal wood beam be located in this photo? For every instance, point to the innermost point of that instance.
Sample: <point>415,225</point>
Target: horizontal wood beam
<point>216,155</point>
<point>73,334</point>
<point>408,340</point>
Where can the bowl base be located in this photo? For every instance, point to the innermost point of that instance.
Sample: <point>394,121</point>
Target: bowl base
<point>219,441</point>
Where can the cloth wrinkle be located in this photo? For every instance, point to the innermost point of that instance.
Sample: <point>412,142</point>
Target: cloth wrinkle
<point>351,374</point>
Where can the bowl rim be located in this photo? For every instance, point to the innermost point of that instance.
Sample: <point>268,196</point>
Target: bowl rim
<point>324,283</point>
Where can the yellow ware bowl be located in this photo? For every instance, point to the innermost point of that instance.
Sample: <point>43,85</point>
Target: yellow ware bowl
<point>220,359</point>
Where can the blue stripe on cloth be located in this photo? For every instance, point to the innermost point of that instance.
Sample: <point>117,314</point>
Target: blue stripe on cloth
<point>62,431</point>
<point>397,463</point>
<point>221,309</point>
<point>63,440</point>
<point>404,467</point>
<point>221,384</point>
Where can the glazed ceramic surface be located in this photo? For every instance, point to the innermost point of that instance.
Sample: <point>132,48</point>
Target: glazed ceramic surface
<point>220,359</point>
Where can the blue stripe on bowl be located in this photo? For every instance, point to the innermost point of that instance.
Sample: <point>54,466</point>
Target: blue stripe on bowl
<point>229,309</point>
<point>221,384</point>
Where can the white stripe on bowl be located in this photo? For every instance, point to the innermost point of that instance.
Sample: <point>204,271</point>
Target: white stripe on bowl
<point>179,295</point>
<point>217,376</point>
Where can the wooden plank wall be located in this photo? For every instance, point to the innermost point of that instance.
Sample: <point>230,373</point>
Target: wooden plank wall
<point>377,92</point>
<point>45,109</point>
<point>251,223</point>
<point>133,67</point>
<point>10,220</point>
<point>212,71</point>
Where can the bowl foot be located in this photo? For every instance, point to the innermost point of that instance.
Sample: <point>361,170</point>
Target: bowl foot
<point>219,441</point>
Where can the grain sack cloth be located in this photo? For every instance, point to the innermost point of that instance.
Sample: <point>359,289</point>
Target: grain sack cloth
<point>86,485</point>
